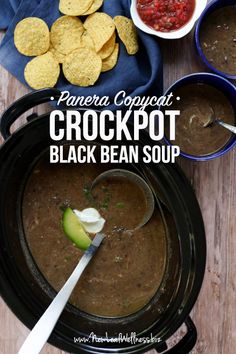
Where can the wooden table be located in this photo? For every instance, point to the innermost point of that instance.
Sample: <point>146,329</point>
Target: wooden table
<point>214,183</point>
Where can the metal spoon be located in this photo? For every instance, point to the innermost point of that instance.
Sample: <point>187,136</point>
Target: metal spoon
<point>134,178</point>
<point>44,327</point>
<point>213,120</point>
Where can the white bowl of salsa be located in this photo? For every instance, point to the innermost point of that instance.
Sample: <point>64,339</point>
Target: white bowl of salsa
<point>171,19</point>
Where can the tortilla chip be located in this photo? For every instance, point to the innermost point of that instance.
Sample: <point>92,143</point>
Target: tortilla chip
<point>110,62</point>
<point>127,33</point>
<point>74,7</point>
<point>82,67</point>
<point>31,36</point>
<point>94,7</point>
<point>42,72</point>
<point>86,41</point>
<point>59,57</point>
<point>66,34</point>
<point>108,47</point>
<point>100,27</point>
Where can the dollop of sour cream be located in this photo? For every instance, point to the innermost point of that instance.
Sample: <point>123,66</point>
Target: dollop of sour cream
<point>91,220</point>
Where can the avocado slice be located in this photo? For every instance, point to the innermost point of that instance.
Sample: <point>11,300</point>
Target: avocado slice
<point>74,230</point>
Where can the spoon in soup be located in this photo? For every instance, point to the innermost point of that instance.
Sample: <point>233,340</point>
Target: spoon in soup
<point>213,120</point>
<point>44,327</point>
<point>139,181</point>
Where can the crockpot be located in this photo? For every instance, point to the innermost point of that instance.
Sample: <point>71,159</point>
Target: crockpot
<point>27,292</point>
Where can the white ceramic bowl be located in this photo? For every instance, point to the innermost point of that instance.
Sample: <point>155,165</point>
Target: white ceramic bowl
<point>181,32</point>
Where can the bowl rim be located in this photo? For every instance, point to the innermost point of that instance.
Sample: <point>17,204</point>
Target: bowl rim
<point>198,44</point>
<point>177,34</point>
<point>229,145</point>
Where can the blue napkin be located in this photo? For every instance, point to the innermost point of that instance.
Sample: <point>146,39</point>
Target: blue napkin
<point>8,9</point>
<point>137,75</point>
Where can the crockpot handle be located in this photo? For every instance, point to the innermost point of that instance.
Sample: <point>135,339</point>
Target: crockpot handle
<point>187,343</point>
<point>23,105</point>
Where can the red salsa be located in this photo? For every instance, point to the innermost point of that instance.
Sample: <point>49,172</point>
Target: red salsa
<point>165,15</point>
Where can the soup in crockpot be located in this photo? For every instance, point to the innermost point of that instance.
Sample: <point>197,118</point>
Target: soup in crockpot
<point>129,266</point>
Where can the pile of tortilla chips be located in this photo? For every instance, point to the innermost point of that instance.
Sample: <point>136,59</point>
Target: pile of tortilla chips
<point>85,47</point>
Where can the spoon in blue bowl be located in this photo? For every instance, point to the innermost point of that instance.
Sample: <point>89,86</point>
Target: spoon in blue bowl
<point>214,120</point>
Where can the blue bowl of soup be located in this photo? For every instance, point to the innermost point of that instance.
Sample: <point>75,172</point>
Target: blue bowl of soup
<point>215,38</point>
<point>197,97</point>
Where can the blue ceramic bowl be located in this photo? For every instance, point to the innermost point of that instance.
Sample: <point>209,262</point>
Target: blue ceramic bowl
<point>221,84</point>
<point>212,6</point>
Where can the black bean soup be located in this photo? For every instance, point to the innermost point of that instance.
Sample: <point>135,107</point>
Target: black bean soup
<point>200,104</point>
<point>129,266</point>
<point>218,39</point>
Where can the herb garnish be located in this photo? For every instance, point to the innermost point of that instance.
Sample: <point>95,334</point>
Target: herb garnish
<point>120,205</point>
